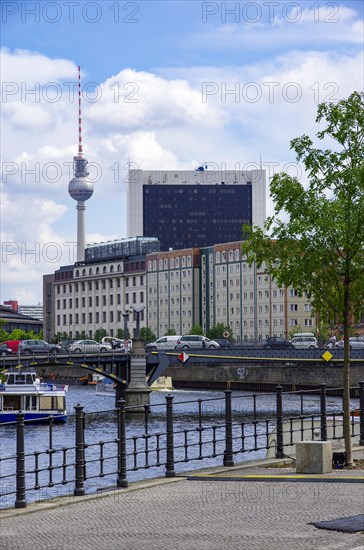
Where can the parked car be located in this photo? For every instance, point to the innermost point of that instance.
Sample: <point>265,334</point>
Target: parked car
<point>223,343</point>
<point>88,346</point>
<point>64,345</point>
<point>195,341</point>
<point>276,342</point>
<point>4,350</point>
<point>37,346</point>
<point>116,343</point>
<point>356,342</point>
<point>13,345</point>
<point>163,343</point>
<point>304,342</point>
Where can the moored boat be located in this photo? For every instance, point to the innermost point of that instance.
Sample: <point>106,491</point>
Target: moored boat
<point>22,391</point>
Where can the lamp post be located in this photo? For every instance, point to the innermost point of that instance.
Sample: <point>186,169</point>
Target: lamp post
<point>137,311</point>
<point>125,315</point>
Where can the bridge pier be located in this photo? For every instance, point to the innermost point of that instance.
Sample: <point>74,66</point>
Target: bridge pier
<point>137,394</point>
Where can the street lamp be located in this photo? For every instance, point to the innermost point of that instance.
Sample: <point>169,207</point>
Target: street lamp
<point>137,311</point>
<point>126,314</point>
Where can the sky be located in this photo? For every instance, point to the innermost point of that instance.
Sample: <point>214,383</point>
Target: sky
<point>165,85</point>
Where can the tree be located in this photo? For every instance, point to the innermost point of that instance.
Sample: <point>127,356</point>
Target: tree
<point>218,331</point>
<point>315,239</point>
<point>170,332</point>
<point>196,329</point>
<point>147,335</point>
<point>99,334</point>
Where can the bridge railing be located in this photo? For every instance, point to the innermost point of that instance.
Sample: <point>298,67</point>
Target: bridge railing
<point>169,438</point>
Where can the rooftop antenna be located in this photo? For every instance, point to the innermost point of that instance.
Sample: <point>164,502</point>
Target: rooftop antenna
<point>80,187</point>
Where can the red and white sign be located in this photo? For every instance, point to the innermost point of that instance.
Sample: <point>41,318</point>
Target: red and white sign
<point>183,357</point>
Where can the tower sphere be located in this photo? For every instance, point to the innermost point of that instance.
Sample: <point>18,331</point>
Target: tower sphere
<point>80,188</point>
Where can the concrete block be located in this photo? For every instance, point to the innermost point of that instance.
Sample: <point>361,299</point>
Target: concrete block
<point>313,457</point>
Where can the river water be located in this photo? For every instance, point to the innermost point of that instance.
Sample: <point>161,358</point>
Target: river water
<point>101,425</point>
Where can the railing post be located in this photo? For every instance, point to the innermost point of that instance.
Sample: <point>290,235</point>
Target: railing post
<point>80,452</point>
<point>323,415</point>
<point>170,472</point>
<point>361,407</point>
<point>121,481</point>
<point>228,453</point>
<point>279,444</point>
<point>20,462</point>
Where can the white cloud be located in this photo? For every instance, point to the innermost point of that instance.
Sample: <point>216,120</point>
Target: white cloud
<point>170,127</point>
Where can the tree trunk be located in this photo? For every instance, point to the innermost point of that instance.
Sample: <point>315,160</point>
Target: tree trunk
<point>346,380</point>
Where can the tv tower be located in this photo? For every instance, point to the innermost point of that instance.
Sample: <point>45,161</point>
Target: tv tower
<point>80,187</point>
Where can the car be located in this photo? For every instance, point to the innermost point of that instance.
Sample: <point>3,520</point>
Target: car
<point>195,341</point>
<point>223,343</point>
<point>12,344</point>
<point>4,350</point>
<point>276,342</point>
<point>88,346</point>
<point>165,342</point>
<point>356,342</point>
<point>304,342</point>
<point>64,345</point>
<point>37,346</point>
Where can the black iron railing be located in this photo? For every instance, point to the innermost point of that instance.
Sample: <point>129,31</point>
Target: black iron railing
<point>219,430</point>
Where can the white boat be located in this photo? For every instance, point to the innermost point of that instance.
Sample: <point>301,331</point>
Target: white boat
<point>310,430</point>
<point>24,392</point>
<point>105,386</point>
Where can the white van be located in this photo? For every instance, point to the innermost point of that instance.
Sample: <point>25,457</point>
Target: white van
<point>163,343</point>
<point>304,342</point>
<point>304,334</point>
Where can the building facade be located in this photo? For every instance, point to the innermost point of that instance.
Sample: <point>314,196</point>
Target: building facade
<point>215,285</point>
<point>94,294</point>
<point>194,208</point>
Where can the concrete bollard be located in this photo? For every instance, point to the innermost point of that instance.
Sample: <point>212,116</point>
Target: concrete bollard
<point>313,457</point>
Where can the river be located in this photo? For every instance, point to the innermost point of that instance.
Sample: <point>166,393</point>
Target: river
<point>101,425</point>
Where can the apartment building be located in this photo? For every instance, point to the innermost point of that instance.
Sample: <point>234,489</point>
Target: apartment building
<point>94,294</point>
<point>215,285</point>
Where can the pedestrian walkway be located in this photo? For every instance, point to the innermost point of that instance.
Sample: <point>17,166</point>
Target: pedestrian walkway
<point>241,507</point>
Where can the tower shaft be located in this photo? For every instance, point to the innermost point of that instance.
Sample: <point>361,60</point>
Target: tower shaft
<point>81,233</point>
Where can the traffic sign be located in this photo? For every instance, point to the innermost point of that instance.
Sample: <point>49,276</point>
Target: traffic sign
<point>183,357</point>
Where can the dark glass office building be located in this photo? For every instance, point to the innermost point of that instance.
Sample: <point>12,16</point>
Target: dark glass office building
<point>185,216</point>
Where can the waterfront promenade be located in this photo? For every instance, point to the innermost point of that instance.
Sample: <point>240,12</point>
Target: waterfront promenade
<point>215,509</point>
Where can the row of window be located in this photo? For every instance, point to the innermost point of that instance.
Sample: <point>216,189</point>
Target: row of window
<point>171,263</point>
<point>87,272</point>
<point>97,317</point>
<point>105,283</point>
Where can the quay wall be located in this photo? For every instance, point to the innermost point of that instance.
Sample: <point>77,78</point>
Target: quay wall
<point>237,376</point>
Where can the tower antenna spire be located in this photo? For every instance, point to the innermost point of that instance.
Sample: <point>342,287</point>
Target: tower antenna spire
<point>80,152</point>
<point>80,187</point>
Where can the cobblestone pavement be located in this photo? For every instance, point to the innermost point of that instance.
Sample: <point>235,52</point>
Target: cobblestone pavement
<point>184,514</point>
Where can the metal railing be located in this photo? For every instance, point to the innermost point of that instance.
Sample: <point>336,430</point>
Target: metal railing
<point>218,429</point>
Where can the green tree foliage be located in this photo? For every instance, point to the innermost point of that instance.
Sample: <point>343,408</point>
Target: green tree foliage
<point>315,239</point>
<point>218,331</point>
<point>147,335</point>
<point>196,329</point>
<point>99,334</point>
<point>120,334</point>
<point>170,332</point>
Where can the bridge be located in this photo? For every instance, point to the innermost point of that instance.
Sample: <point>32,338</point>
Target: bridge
<point>205,368</point>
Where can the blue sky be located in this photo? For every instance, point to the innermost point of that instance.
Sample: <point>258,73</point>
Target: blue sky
<point>164,74</point>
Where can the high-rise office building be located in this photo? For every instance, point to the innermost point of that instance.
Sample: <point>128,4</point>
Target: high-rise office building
<point>194,208</point>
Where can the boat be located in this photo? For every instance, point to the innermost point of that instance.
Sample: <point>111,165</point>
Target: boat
<point>163,383</point>
<point>24,392</point>
<point>105,386</point>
